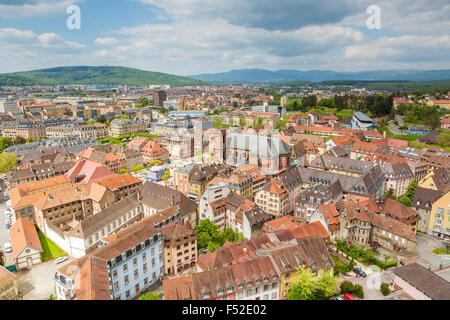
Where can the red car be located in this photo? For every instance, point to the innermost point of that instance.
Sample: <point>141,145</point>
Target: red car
<point>348,297</point>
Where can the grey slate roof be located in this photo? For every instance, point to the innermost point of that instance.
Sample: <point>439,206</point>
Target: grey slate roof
<point>425,281</point>
<point>261,146</point>
<point>350,165</point>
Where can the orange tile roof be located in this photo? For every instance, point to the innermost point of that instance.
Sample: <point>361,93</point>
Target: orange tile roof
<point>117,181</point>
<point>23,234</point>
<point>311,229</point>
<point>286,222</point>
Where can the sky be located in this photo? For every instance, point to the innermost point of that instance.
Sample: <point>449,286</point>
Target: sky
<point>188,37</point>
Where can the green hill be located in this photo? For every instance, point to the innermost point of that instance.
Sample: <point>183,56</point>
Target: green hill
<point>378,85</point>
<point>95,75</point>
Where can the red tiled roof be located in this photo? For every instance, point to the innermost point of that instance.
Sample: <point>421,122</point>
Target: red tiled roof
<point>23,234</point>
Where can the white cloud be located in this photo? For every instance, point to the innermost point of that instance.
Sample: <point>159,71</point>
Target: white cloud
<point>37,8</point>
<point>108,41</point>
<point>404,48</point>
<point>24,49</point>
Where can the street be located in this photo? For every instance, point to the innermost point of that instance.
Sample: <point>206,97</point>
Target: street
<point>371,284</point>
<point>39,282</point>
<point>425,246</point>
<point>4,233</point>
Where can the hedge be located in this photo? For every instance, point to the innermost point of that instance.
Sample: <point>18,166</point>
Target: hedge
<point>356,252</point>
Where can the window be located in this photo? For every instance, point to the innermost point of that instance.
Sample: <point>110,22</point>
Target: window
<point>144,267</point>
<point>274,295</point>
<point>126,280</point>
<point>127,294</point>
<point>116,286</point>
<point>136,273</point>
<point>240,295</point>
<point>249,283</point>
<point>219,291</point>
<point>135,262</point>
<point>274,285</point>
<point>248,293</point>
<point>125,267</point>
<point>153,262</point>
<point>154,275</point>
<point>146,281</point>
<point>144,255</point>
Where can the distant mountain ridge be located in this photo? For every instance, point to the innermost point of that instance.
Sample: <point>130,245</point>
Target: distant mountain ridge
<point>281,76</point>
<point>105,75</point>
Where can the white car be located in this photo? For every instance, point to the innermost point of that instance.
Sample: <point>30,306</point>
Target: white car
<point>61,260</point>
<point>8,247</point>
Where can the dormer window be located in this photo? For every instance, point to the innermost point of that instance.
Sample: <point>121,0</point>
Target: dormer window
<point>206,294</point>
<point>240,285</point>
<point>230,289</point>
<point>219,291</point>
<point>266,278</point>
<point>258,281</point>
<point>274,276</point>
<point>249,283</point>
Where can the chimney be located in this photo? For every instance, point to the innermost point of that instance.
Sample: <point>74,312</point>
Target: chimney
<point>172,200</point>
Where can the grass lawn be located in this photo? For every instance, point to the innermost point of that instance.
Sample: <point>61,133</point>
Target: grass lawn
<point>50,250</point>
<point>441,251</point>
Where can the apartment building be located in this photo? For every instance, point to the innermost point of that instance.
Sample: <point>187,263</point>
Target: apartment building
<point>94,131</point>
<point>273,198</point>
<point>156,198</point>
<point>398,177</point>
<point>311,198</point>
<point>180,248</point>
<point>423,203</point>
<point>121,127</point>
<point>439,221</point>
<point>128,263</point>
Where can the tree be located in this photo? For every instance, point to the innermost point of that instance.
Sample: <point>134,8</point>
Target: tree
<point>19,140</point>
<point>347,287</point>
<point>150,296</point>
<point>122,171</point>
<point>386,257</point>
<point>5,142</point>
<point>309,286</point>
<point>390,193</point>
<point>358,291</point>
<point>384,289</point>
<point>434,122</point>
<point>8,161</point>
<point>326,286</point>
<point>166,176</point>
<point>205,231</point>
<point>102,119</point>
<point>443,139</point>
<point>305,286</point>
<point>137,168</point>
<point>30,140</point>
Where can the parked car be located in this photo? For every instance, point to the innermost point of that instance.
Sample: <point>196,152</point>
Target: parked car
<point>348,297</point>
<point>359,272</point>
<point>61,260</point>
<point>7,247</point>
<point>338,298</point>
